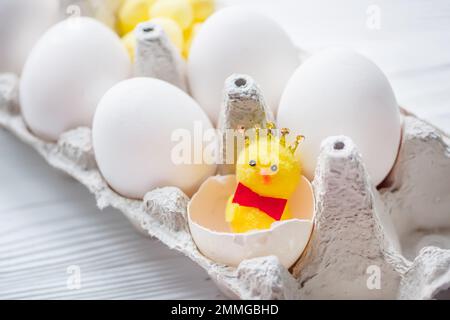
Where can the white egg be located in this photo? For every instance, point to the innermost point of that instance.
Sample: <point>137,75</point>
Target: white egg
<point>237,40</point>
<point>340,92</point>
<point>22,22</point>
<point>138,125</point>
<point>68,71</point>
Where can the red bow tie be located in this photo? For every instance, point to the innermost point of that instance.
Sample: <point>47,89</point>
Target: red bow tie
<point>273,207</point>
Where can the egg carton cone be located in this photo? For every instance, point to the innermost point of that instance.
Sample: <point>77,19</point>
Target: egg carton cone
<point>387,243</point>
<point>243,106</point>
<point>157,57</point>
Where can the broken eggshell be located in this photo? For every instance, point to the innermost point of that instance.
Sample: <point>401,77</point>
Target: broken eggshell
<point>214,238</point>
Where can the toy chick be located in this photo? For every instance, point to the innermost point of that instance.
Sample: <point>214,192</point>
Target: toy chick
<point>267,173</point>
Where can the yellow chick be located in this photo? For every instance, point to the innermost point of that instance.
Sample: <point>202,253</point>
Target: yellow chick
<point>268,173</point>
<point>131,13</point>
<point>202,9</point>
<point>178,10</point>
<point>189,35</point>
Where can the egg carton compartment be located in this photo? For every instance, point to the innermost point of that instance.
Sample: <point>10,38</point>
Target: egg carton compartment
<point>390,242</point>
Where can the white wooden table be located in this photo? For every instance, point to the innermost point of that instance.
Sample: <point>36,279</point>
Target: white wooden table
<point>49,224</point>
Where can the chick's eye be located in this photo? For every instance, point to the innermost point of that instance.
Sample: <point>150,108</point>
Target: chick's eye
<point>274,167</point>
<point>252,163</point>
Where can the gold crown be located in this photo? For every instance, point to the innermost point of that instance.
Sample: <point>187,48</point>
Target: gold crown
<point>270,134</point>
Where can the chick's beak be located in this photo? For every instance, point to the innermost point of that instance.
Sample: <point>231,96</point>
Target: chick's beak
<point>266,175</point>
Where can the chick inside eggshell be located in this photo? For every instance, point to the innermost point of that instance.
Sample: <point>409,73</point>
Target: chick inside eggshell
<point>267,173</point>
<point>215,239</point>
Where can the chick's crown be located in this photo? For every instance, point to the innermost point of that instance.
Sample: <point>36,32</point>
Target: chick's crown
<point>269,137</point>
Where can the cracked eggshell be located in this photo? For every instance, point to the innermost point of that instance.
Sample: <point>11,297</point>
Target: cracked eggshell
<point>340,92</point>
<point>238,40</point>
<point>137,127</point>
<point>213,237</point>
<point>22,22</point>
<point>72,65</point>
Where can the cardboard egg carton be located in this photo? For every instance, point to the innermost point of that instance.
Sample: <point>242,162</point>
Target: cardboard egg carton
<point>390,242</point>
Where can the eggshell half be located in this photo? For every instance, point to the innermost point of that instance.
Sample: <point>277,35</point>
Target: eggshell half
<point>212,234</point>
<point>239,40</point>
<point>72,65</point>
<point>340,92</point>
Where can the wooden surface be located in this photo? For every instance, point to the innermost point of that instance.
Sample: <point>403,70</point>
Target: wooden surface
<point>49,223</point>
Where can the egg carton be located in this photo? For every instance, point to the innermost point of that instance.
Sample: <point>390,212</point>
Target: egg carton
<point>390,242</point>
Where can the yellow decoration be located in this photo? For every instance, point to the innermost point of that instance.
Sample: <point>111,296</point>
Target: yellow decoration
<point>189,35</point>
<point>202,9</point>
<point>129,41</point>
<point>131,13</point>
<point>172,30</point>
<point>178,10</point>
<point>268,167</point>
